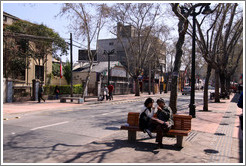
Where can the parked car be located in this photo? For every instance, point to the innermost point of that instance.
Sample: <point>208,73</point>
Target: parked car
<point>186,90</point>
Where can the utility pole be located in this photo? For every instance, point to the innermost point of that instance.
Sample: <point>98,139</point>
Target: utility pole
<point>109,53</point>
<point>71,56</point>
<point>108,68</point>
<point>149,78</point>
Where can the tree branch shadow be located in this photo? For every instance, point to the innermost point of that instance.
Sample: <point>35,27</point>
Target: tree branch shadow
<point>116,144</point>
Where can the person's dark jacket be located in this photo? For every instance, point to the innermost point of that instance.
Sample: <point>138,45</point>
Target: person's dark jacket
<point>57,90</point>
<point>40,90</point>
<point>166,115</point>
<point>240,101</point>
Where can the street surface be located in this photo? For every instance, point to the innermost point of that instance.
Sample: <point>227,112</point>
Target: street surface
<point>36,136</point>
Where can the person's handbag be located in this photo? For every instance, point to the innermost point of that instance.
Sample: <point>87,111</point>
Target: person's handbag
<point>143,120</point>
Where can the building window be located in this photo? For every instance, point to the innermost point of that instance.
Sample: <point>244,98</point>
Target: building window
<point>111,43</point>
<point>4,18</point>
<point>39,72</point>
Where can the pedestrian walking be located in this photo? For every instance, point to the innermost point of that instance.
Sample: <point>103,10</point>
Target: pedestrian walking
<point>240,105</point>
<point>110,90</point>
<point>105,92</point>
<point>40,93</point>
<point>57,92</point>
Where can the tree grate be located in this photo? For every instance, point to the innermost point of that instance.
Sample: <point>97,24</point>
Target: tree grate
<point>191,136</point>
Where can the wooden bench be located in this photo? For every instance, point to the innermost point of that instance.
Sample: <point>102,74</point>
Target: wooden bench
<point>182,126</point>
<point>64,99</point>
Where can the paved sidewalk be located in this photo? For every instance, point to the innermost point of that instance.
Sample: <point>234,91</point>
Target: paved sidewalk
<point>32,106</point>
<point>215,138</point>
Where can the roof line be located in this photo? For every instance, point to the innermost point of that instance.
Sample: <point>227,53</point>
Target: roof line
<point>10,15</point>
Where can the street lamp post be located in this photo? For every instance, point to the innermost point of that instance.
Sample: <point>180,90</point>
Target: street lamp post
<point>71,56</point>
<point>207,10</point>
<point>193,63</point>
<point>108,53</point>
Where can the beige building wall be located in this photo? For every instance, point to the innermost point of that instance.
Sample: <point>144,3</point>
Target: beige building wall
<point>30,72</point>
<point>79,76</point>
<point>48,67</point>
<point>56,81</point>
<point>9,21</point>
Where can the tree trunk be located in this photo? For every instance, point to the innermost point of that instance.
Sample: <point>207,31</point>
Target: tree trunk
<point>217,86</point>
<point>137,93</point>
<point>153,82</point>
<point>128,80</point>
<point>167,81</point>
<point>173,95</point>
<point>228,85</point>
<point>87,80</point>
<point>205,92</point>
<point>182,29</point>
<point>222,82</point>
<point>177,64</point>
<point>149,78</point>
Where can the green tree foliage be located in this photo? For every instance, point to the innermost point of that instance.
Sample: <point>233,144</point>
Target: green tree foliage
<point>15,62</point>
<point>56,69</point>
<point>67,72</point>
<point>24,40</point>
<point>64,89</point>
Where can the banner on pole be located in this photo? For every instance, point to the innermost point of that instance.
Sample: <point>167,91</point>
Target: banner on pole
<point>61,69</point>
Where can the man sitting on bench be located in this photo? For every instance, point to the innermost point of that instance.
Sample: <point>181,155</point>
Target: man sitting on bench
<point>147,123</point>
<point>165,114</point>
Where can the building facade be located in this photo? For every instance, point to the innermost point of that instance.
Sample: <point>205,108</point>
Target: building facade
<point>124,34</point>
<point>37,69</point>
<point>99,77</point>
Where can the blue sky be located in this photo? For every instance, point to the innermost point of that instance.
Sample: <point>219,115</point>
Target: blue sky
<point>44,13</point>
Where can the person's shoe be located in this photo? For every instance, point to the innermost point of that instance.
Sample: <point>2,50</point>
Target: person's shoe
<point>149,133</point>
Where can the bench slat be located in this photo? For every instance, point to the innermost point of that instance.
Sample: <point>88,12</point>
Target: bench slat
<point>181,122</point>
<point>132,128</point>
<point>171,132</point>
<point>179,132</point>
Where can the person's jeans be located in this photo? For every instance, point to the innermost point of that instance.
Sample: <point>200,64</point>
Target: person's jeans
<point>160,127</point>
<point>111,95</point>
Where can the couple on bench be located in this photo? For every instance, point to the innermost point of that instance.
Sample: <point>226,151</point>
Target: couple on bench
<point>161,124</point>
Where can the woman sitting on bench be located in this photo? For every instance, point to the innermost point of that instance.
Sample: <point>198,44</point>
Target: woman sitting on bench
<point>147,123</point>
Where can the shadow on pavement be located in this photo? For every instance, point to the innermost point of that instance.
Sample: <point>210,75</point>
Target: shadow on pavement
<point>26,149</point>
<point>98,154</point>
<point>235,98</point>
<point>112,128</point>
<point>210,151</point>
